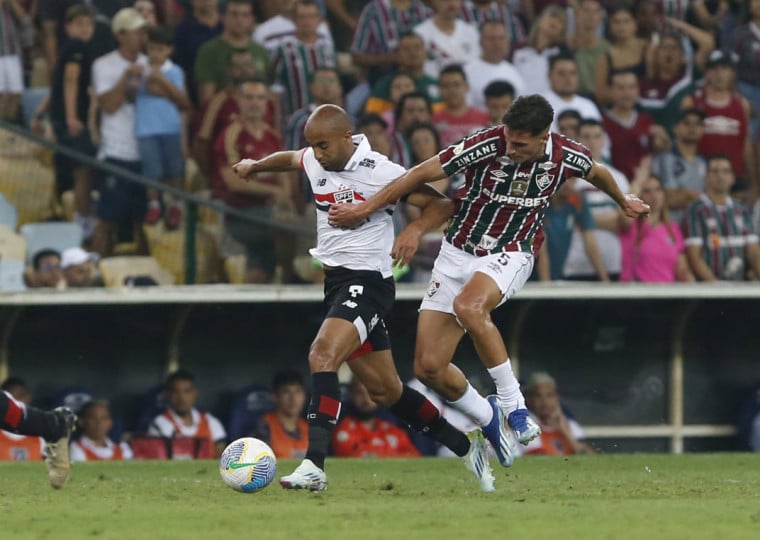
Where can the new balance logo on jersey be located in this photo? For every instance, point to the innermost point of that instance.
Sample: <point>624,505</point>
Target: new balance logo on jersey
<point>321,182</point>
<point>350,304</point>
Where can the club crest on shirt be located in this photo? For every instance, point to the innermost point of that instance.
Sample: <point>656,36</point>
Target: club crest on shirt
<point>344,196</point>
<point>433,288</point>
<point>543,181</point>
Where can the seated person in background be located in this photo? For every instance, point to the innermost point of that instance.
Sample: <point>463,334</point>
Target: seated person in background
<point>560,435</point>
<point>79,269</point>
<point>15,447</point>
<point>284,429</point>
<point>45,270</point>
<point>499,96</point>
<point>569,124</point>
<point>362,434</point>
<point>182,419</point>
<point>93,444</point>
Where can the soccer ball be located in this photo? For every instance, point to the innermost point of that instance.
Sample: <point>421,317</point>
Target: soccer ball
<point>248,465</point>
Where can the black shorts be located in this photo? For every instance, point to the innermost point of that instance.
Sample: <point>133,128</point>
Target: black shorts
<point>363,298</point>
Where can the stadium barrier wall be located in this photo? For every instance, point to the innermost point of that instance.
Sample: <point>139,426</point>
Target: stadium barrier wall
<point>642,367</point>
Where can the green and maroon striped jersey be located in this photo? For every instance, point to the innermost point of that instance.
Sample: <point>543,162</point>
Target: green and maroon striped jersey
<point>294,63</point>
<point>501,205</point>
<point>381,25</point>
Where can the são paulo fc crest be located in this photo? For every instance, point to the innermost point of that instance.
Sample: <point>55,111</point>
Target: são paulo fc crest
<point>345,196</point>
<point>543,181</point>
<point>433,288</point>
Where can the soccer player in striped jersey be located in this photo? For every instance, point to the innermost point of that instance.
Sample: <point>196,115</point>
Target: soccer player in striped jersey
<point>359,291</point>
<point>511,171</point>
<point>53,426</point>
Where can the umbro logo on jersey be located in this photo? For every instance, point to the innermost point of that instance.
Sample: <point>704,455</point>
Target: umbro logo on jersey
<point>499,176</point>
<point>321,182</point>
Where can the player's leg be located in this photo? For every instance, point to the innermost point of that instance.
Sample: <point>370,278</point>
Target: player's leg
<point>497,278</point>
<point>53,426</point>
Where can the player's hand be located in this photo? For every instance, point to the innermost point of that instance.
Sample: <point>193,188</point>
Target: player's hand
<point>245,169</point>
<point>635,207</point>
<point>346,215</point>
<point>406,245</point>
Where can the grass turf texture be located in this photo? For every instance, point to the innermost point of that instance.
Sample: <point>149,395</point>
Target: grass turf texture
<point>715,496</point>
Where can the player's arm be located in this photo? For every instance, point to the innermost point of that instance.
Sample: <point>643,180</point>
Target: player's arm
<point>601,177</point>
<point>350,215</point>
<point>286,160</point>
<point>436,210</point>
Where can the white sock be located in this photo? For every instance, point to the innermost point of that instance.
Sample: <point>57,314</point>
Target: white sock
<point>474,406</point>
<point>507,387</point>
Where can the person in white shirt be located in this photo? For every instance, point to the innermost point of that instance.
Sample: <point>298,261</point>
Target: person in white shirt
<point>359,290</point>
<point>563,80</point>
<point>277,29</point>
<point>116,78</point>
<point>448,40</point>
<point>492,64</point>
<point>94,444</point>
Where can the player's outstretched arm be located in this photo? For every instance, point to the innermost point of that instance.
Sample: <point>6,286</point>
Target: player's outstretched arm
<point>601,177</point>
<point>436,209</point>
<point>350,215</point>
<point>288,160</point>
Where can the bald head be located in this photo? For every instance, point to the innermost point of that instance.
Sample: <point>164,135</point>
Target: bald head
<point>328,132</point>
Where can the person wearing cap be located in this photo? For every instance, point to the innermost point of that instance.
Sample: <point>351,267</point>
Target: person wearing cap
<point>78,268</point>
<point>682,169</point>
<point>116,78</point>
<point>726,114</point>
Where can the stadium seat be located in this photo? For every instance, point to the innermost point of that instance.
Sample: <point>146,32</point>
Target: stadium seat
<point>11,275</point>
<point>179,448</point>
<point>149,447</point>
<point>26,183</point>
<point>73,397</point>
<point>234,268</point>
<point>8,213</point>
<point>56,235</point>
<point>30,101</point>
<point>115,270</point>
<point>247,406</point>
<point>153,403</point>
<point>168,247</point>
<point>12,245</point>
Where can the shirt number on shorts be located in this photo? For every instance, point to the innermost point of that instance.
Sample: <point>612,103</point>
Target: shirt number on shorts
<point>503,259</point>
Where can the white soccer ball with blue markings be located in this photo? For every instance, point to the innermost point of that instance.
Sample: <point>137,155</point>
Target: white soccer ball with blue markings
<point>248,465</point>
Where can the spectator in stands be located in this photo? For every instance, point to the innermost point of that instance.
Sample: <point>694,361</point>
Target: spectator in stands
<point>115,79</point>
<point>748,78</point>
<point>342,18</point>
<point>378,34</point>
<point>93,444</point>
<point>182,419</point>
<point>362,434</point>
<point>79,268</point>
<point>569,123</point>
<point>411,61</point>
<point>297,57</point>
<point>401,84</point>
<point>546,39</point>
<point>682,170</point>
<point>627,53</point>
<point>560,435</point>
<point>492,64</point>
<point>147,9</point>
<point>478,12</point>
<point>202,23</point>
<point>578,266</point>
<point>70,107</point>
<point>633,135</point>
<point>588,44</point>
<point>457,119</point>
<point>563,82</point>
<point>726,114</point>
<point>375,129</point>
<point>284,429</point>
<point>721,242</point>
<point>45,270</point>
<point>324,88</point>
<point>448,40</point>
<point>411,108</point>
<point>281,27</point>
<point>653,248</point>
<point>14,447</point>
<point>499,96</point>
<point>212,58</point>
<point>251,137</point>
<point>12,12</point>
<point>158,126</point>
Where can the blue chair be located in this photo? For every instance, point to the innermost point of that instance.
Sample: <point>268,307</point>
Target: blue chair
<point>73,397</point>
<point>30,102</point>
<point>56,235</point>
<point>8,213</point>
<point>247,407</point>
<point>12,275</point>
<point>153,404</point>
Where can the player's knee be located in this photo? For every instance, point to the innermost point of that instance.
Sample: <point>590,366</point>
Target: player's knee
<point>427,371</point>
<point>322,356</point>
<point>468,314</point>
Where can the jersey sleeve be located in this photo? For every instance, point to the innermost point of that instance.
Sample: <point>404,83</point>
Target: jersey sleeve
<point>577,159</point>
<point>76,454</point>
<point>126,451</point>
<point>386,172</point>
<point>216,428</point>
<point>693,225</point>
<point>475,149</point>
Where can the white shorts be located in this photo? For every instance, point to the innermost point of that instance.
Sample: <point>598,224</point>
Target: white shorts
<point>11,75</point>
<point>453,269</point>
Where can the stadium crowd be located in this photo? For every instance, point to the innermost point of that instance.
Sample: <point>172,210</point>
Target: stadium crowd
<point>664,92</point>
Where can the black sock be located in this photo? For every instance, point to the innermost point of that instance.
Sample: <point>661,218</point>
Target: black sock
<point>421,415</point>
<point>31,421</point>
<point>324,410</point>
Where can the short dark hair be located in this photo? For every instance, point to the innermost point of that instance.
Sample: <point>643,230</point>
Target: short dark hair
<point>570,113</point>
<point>87,407</point>
<point>241,2</point>
<point>411,95</point>
<point>590,122</point>
<point>323,67</point>
<point>245,80</point>
<point>453,68</point>
<point>160,35</point>
<point>286,378</point>
<point>424,125</point>
<point>41,254</point>
<point>689,112</point>
<point>717,157</point>
<point>10,382</point>
<point>529,113</point>
<point>369,119</point>
<point>79,10</point>
<point>179,375</point>
<point>499,88</point>
<point>560,57</point>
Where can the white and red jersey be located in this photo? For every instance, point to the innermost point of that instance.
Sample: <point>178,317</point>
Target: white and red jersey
<point>367,246</point>
<point>501,205</point>
<point>205,426</point>
<point>85,449</point>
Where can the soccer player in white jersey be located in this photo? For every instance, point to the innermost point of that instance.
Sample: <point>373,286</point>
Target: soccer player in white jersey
<point>511,171</point>
<point>359,291</point>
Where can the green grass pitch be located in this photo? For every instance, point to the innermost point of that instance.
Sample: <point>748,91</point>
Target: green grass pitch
<point>711,496</point>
